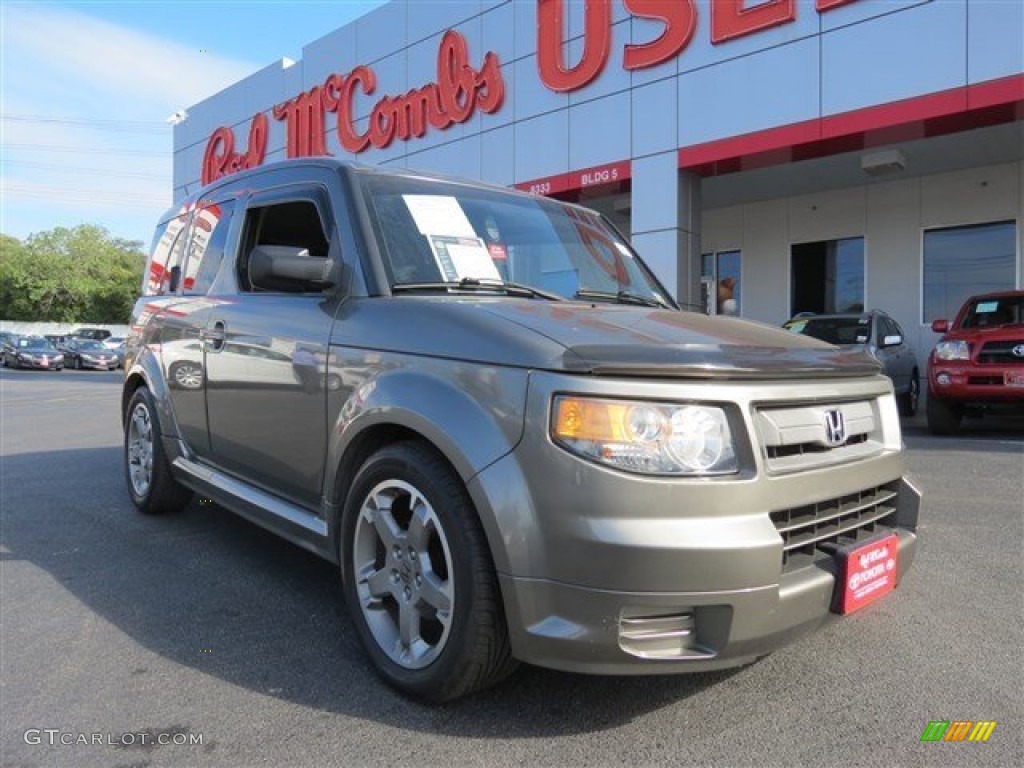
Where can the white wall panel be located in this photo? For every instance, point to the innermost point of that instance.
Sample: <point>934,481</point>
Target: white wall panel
<point>542,146</point>
<point>919,50</point>
<point>497,158</point>
<point>995,39</point>
<point>654,117</point>
<point>600,131</point>
<point>425,19</point>
<point>530,97</point>
<point>380,32</point>
<point>749,94</point>
<point>498,32</point>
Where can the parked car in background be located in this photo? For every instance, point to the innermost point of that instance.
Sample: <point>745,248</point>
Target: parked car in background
<point>878,334</point>
<point>87,353</point>
<point>116,345</point>
<point>33,352</point>
<point>7,339</point>
<point>97,334</point>
<point>978,365</point>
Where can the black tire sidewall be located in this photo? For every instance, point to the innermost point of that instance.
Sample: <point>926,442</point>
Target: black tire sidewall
<point>164,494</point>
<point>395,463</point>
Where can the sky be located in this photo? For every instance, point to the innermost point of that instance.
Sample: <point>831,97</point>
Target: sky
<point>87,88</point>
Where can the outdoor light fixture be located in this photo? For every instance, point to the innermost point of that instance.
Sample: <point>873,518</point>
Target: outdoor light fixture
<point>178,117</point>
<point>883,163</point>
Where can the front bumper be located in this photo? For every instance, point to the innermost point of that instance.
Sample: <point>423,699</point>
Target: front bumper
<point>576,629</point>
<point>39,365</point>
<point>95,365</point>
<point>967,382</point>
<point>607,572</point>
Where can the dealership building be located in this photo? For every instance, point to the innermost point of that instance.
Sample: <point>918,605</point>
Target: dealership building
<point>766,158</point>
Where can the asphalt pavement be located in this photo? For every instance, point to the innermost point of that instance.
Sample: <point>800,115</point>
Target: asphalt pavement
<point>200,639</point>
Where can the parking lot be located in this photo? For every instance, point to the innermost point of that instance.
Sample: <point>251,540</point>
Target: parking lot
<point>199,639</point>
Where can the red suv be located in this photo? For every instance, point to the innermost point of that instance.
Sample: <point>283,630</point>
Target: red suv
<point>979,363</point>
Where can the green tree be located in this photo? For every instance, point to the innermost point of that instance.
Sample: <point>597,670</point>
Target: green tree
<point>71,275</point>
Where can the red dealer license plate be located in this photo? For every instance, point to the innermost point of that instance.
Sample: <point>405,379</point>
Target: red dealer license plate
<point>866,572</point>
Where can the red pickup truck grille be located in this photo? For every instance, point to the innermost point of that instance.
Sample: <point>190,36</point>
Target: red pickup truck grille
<point>1001,353</point>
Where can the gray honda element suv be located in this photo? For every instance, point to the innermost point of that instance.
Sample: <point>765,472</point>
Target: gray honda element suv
<point>487,410</point>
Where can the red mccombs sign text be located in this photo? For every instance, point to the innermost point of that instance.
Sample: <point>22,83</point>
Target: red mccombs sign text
<point>460,89</point>
<point>458,92</point>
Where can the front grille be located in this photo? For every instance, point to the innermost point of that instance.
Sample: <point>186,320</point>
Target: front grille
<point>794,439</point>
<point>828,524</point>
<point>1000,353</point>
<point>800,449</point>
<point>985,380</point>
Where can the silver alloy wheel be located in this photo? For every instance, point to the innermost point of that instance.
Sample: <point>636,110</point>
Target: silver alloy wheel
<point>188,377</point>
<point>403,572</point>
<point>140,450</point>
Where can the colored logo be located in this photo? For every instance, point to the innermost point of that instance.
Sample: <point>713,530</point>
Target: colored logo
<point>958,730</point>
<point>1018,351</point>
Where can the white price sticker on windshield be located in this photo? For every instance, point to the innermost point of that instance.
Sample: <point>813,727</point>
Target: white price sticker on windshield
<point>463,257</point>
<point>439,215</point>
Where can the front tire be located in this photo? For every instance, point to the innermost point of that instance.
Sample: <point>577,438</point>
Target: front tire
<point>909,400</point>
<point>943,418</point>
<point>418,578</point>
<point>150,484</point>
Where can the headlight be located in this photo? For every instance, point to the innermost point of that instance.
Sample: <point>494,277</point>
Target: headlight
<point>952,350</point>
<point>649,438</point>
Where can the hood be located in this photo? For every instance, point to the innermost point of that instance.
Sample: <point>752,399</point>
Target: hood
<point>606,339</point>
<point>597,339</point>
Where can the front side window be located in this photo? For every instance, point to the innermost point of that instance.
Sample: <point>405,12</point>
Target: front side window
<point>435,235</point>
<point>960,262</point>
<point>295,226</point>
<point>167,255</point>
<point>206,246</point>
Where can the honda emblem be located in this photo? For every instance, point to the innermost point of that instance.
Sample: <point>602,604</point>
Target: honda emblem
<point>835,428</point>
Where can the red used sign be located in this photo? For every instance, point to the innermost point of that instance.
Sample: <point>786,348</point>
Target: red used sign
<point>730,19</point>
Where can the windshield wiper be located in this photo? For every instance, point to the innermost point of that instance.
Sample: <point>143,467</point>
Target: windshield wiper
<point>475,284</point>
<point>622,297</point>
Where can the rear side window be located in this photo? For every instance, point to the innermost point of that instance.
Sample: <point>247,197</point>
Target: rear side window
<point>167,255</point>
<point>294,224</point>
<point>208,238</point>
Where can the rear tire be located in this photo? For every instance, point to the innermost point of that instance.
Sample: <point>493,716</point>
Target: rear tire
<point>943,418</point>
<point>418,577</point>
<point>910,399</point>
<point>150,484</point>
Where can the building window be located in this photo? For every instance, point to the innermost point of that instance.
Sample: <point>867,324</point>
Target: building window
<point>827,277</point>
<point>720,283</point>
<point>960,262</point>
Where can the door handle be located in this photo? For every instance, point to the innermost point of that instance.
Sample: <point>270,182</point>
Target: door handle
<point>213,338</point>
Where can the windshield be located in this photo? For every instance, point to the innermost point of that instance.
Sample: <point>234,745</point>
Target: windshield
<point>34,342</point>
<point>834,330</point>
<point>434,232</point>
<point>90,345</point>
<point>1001,310</point>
